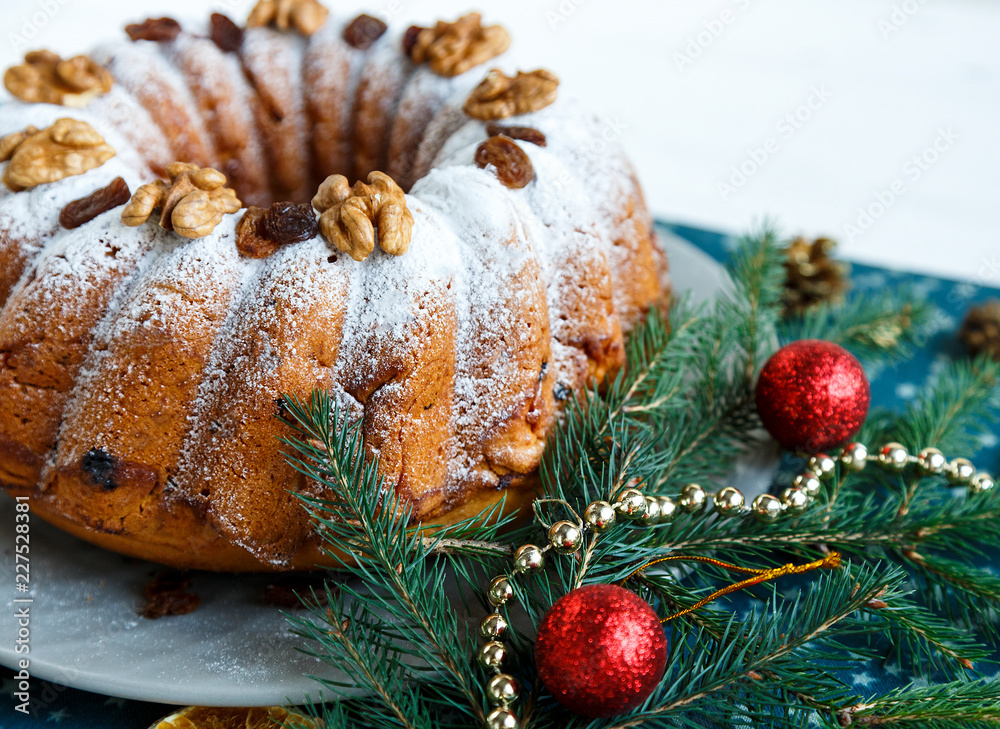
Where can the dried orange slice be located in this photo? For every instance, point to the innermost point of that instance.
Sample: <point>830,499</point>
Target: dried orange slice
<point>261,717</point>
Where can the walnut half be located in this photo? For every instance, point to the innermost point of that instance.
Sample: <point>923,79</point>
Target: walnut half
<point>307,16</point>
<point>45,78</point>
<point>69,147</point>
<point>499,96</point>
<point>451,49</point>
<point>352,217</point>
<point>191,204</point>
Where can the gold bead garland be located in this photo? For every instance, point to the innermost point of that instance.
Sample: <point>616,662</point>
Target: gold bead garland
<point>566,537</point>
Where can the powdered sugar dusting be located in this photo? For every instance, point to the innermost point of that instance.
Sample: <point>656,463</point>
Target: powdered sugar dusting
<point>119,113</point>
<point>280,337</point>
<point>565,226</point>
<point>145,73</point>
<point>423,97</point>
<point>274,61</point>
<point>217,83</point>
<point>495,249</point>
<point>590,156</point>
<point>331,70</point>
<point>133,391</point>
<point>379,90</point>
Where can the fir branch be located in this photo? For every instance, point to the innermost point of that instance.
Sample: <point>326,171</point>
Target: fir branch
<point>961,405</point>
<point>704,438</point>
<point>917,635</point>
<point>385,551</point>
<point>758,274</point>
<point>963,593</point>
<point>766,642</point>
<point>877,327</point>
<point>664,590</point>
<point>447,545</point>
<point>704,443</point>
<point>656,355</point>
<point>368,665</point>
<point>958,705</point>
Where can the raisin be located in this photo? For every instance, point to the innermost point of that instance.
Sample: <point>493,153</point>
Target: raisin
<point>166,594</point>
<point>248,239</point>
<point>363,31</point>
<point>99,201</point>
<point>99,469</point>
<point>560,392</point>
<point>512,165</point>
<point>410,39</point>
<point>154,29</point>
<point>260,233</point>
<point>289,223</point>
<point>226,34</point>
<point>297,591</point>
<point>524,134</point>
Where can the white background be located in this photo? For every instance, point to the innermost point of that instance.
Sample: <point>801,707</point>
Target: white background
<point>702,88</point>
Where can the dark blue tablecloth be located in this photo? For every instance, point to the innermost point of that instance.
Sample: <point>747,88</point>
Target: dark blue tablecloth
<point>891,387</point>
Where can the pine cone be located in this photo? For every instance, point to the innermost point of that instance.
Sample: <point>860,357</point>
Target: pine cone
<point>980,331</point>
<point>812,275</point>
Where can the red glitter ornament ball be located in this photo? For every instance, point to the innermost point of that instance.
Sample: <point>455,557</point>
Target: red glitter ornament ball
<point>812,395</point>
<point>600,650</point>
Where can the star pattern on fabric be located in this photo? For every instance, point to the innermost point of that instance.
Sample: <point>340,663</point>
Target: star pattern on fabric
<point>964,290</point>
<point>58,716</point>
<point>863,679</point>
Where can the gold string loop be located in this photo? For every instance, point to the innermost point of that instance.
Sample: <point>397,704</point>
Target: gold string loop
<point>831,561</point>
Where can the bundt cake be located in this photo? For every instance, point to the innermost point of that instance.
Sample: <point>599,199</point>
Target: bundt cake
<point>144,355</point>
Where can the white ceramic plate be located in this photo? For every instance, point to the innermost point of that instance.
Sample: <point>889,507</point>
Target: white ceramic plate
<point>234,650</point>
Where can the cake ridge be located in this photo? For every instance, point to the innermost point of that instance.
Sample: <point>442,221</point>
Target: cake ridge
<point>142,369</point>
<point>149,76</point>
<point>219,85</point>
<point>255,363</point>
<point>215,373</point>
<point>488,312</point>
<point>63,284</point>
<point>378,93</point>
<point>330,65</point>
<point>274,62</point>
<point>572,251</point>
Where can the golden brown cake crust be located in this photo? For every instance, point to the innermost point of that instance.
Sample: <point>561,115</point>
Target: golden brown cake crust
<point>143,375</point>
<point>272,61</point>
<point>180,538</point>
<point>225,102</point>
